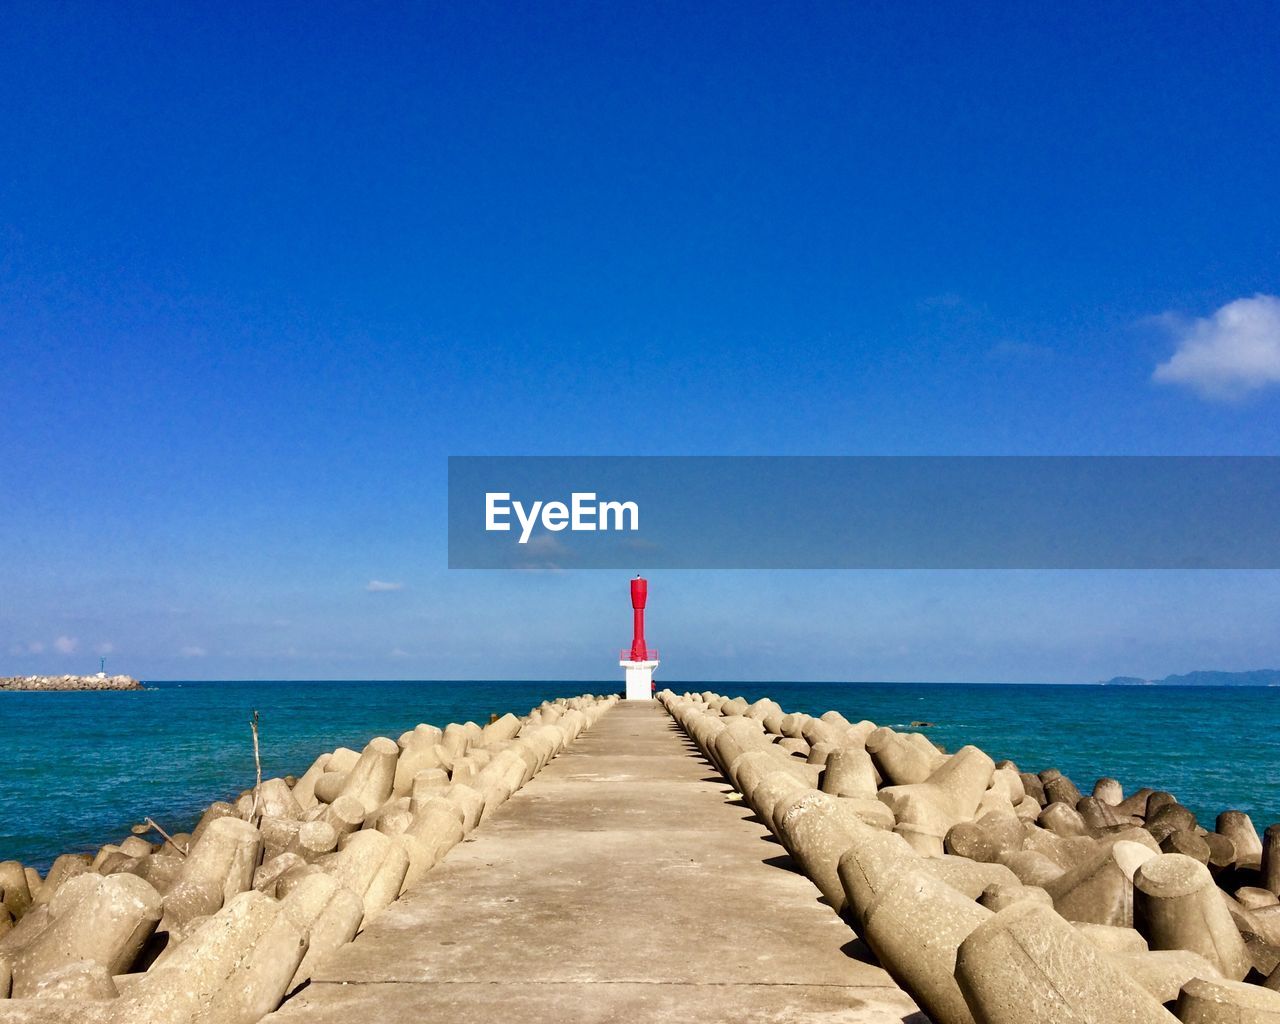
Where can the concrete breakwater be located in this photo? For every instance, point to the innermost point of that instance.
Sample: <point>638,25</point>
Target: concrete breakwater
<point>98,682</point>
<point>221,925</point>
<point>998,896</point>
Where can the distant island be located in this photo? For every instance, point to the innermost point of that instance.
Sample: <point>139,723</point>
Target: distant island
<point>1258,677</point>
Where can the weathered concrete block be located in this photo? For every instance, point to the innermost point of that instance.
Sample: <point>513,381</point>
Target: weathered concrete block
<point>1227,1002</point>
<point>1136,803</point>
<point>313,840</point>
<point>1109,791</point>
<point>998,895</point>
<point>91,918</point>
<point>64,868</point>
<point>817,829</point>
<point>915,926</point>
<point>136,846</point>
<point>1266,922</point>
<point>276,800</point>
<point>1031,867</point>
<point>1238,827</point>
<point>79,979</point>
<point>1033,787</point>
<point>749,769</point>
<point>373,777</point>
<point>386,884</point>
<point>330,786</point>
<point>1065,851</point>
<point>1112,939</point>
<point>161,870</point>
<point>436,829</point>
<point>220,865</point>
<point>268,873</point>
<point>970,878</point>
<point>469,801</point>
<point>421,735</point>
<point>342,760</point>
<point>455,739</point>
<point>1098,814</point>
<point>278,835</point>
<point>13,885</point>
<point>898,761</point>
<point>987,839</point>
<point>926,838</point>
<point>1170,818</point>
<point>1028,964</point>
<point>776,790</point>
<point>1100,891</point>
<point>1270,860</point>
<point>1060,789</point>
<point>1063,819</point>
<point>849,773</point>
<point>345,815</point>
<point>505,728</point>
<point>234,968</point>
<point>294,877</point>
<point>23,933</point>
<point>1263,955</point>
<point>1163,972</point>
<point>870,863</point>
<point>304,790</point>
<point>1186,842</point>
<point>413,761</point>
<point>950,795</point>
<point>1008,782</point>
<point>1177,906</point>
<point>217,809</point>
<point>465,771</point>
<point>1253,897</point>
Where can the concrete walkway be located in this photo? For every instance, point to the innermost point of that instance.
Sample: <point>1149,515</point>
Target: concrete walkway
<point>624,883</point>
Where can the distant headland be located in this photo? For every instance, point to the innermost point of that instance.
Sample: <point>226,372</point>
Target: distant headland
<point>99,682</point>
<point>1258,677</point>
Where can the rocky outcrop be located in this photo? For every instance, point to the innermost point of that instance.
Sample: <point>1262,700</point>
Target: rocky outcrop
<point>98,682</point>
<point>997,896</point>
<point>218,926</point>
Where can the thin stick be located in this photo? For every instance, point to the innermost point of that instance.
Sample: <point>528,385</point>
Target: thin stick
<point>167,838</point>
<point>257,763</point>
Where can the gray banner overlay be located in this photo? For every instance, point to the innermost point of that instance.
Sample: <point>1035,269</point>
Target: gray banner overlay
<point>784,512</point>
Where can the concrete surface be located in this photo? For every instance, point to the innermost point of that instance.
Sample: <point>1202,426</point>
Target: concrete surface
<point>625,883</point>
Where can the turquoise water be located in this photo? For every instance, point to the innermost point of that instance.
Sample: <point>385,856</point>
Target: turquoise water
<point>80,768</point>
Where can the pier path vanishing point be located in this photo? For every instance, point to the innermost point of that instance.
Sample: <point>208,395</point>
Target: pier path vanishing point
<point>626,882</point>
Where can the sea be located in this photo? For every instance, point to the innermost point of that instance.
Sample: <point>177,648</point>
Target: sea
<point>79,769</point>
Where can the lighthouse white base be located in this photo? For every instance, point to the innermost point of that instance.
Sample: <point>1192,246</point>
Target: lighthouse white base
<point>639,679</point>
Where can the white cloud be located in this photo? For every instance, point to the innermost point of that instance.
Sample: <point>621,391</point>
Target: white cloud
<point>35,647</point>
<point>105,648</point>
<point>1229,354</point>
<point>193,652</point>
<point>397,652</point>
<point>381,586</point>
<point>66,644</point>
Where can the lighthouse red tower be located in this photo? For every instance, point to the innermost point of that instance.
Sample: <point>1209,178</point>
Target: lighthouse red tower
<point>640,661</point>
<point>639,595</point>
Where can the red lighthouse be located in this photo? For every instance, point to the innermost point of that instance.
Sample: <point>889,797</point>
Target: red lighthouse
<point>639,595</point>
<point>640,661</point>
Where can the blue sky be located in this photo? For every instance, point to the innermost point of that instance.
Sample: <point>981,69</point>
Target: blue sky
<point>263,268</point>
